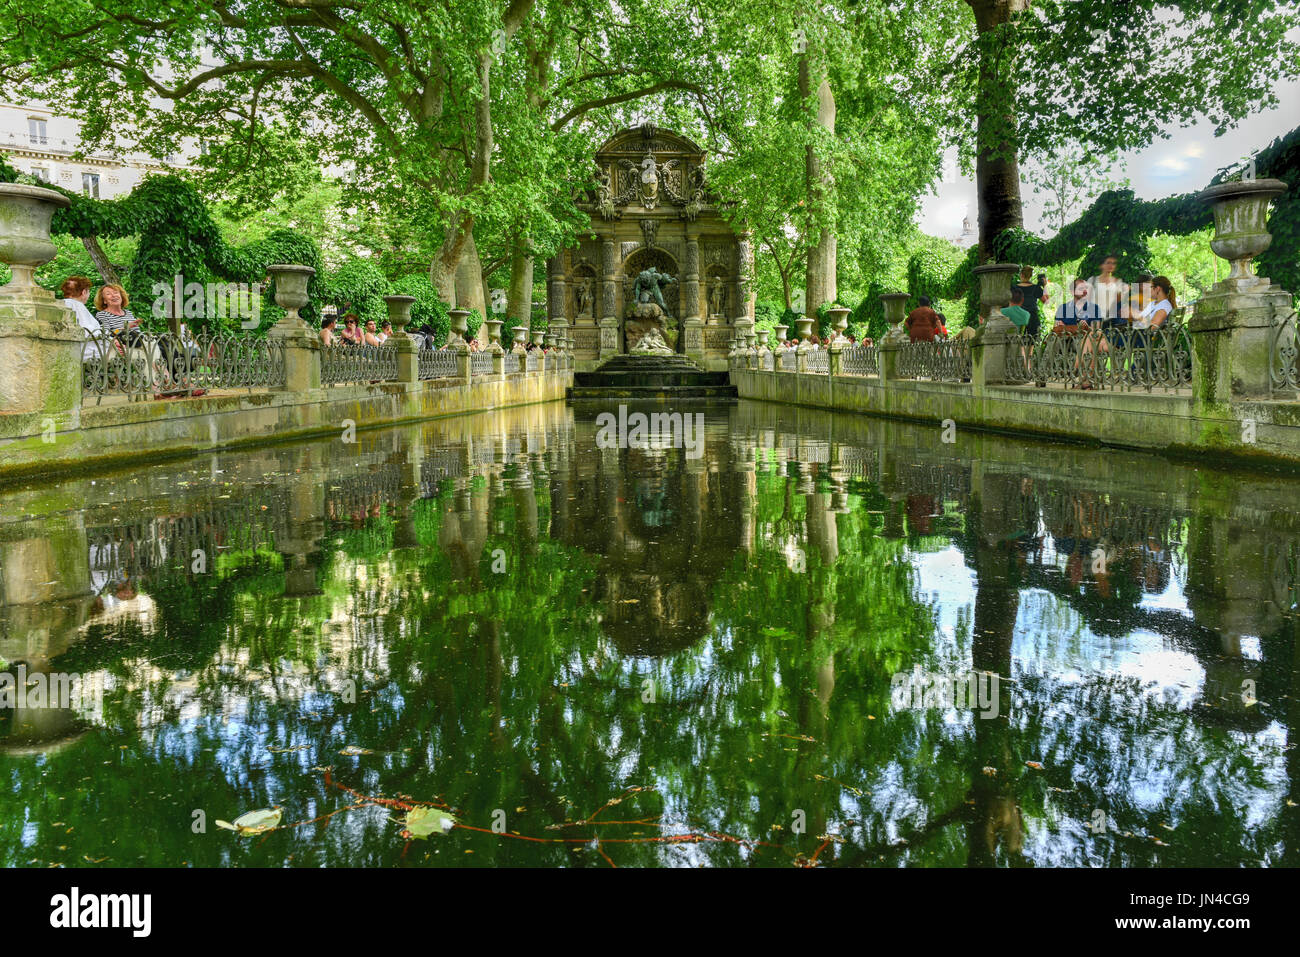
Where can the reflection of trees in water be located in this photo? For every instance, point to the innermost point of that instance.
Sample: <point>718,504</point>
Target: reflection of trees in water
<point>770,651</point>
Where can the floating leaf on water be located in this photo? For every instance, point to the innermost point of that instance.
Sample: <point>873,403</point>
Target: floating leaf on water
<point>1034,764</point>
<point>254,822</point>
<point>420,822</point>
<point>352,751</point>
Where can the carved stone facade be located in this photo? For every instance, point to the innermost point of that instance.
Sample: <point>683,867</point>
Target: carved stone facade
<point>656,232</point>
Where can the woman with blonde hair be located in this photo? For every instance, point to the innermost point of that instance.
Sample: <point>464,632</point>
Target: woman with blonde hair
<point>112,306</point>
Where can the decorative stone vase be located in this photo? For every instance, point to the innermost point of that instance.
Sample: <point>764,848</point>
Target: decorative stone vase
<point>895,312</point>
<point>805,324</point>
<point>995,292</point>
<point>521,338</point>
<point>459,324</point>
<point>781,329</point>
<point>538,336</point>
<point>290,291</point>
<point>839,319</point>
<point>25,245</point>
<point>1241,222</point>
<point>549,340</point>
<point>493,327</point>
<point>399,312</point>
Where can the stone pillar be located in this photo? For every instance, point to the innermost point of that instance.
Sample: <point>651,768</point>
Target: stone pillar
<point>463,368</point>
<point>1232,328</point>
<point>557,298</point>
<point>40,341</point>
<point>887,351</point>
<point>692,324</point>
<point>609,344</point>
<point>691,276</point>
<point>301,345</point>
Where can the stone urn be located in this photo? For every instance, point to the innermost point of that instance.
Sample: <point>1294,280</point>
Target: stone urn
<point>493,327</point>
<point>781,329</point>
<point>399,312</point>
<point>539,336</point>
<point>290,292</point>
<point>895,304</point>
<point>804,330</point>
<point>1241,222</point>
<point>995,292</point>
<point>839,319</point>
<point>459,324</point>
<point>25,214</point>
<point>521,338</point>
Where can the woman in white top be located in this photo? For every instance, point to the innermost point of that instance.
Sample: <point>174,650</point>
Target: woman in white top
<point>1160,306</point>
<point>76,293</point>
<point>1109,292</point>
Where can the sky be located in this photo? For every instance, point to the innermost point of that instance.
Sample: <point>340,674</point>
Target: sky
<point>1184,162</point>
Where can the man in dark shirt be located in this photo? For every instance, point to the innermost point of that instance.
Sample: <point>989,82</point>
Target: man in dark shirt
<point>922,322</point>
<point>1075,316</point>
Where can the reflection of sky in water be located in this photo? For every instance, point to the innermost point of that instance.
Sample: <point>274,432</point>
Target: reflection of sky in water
<point>1075,677</point>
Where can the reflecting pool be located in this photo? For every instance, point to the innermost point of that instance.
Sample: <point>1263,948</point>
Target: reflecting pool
<point>807,640</point>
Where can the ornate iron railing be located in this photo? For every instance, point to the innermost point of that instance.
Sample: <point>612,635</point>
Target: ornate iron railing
<point>141,364</point>
<point>480,363</point>
<point>1283,348</point>
<point>351,364</point>
<point>531,360</point>
<point>766,361</point>
<point>437,364</point>
<point>860,360</point>
<point>787,360</point>
<point>818,361</point>
<point>943,360</point>
<point>1114,359</point>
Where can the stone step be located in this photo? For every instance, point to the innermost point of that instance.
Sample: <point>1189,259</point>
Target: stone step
<point>656,393</point>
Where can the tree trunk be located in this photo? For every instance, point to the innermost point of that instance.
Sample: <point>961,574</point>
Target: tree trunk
<point>519,299</point>
<point>100,259</point>
<point>820,286</point>
<point>997,168</point>
<point>469,280</point>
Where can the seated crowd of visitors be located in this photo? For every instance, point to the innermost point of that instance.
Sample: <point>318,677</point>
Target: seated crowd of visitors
<point>1102,302</point>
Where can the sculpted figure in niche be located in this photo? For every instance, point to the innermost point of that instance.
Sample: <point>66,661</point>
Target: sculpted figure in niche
<point>717,298</point>
<point>585,295</point>
<point>647,288</point>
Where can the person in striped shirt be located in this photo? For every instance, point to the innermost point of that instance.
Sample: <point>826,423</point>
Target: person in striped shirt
<point>112,310</point>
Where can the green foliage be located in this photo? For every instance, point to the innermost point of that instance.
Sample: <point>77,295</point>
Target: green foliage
<point>358,286</point>
<point>427,310</point>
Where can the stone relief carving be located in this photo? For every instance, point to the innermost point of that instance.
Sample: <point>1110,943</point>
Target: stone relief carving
<point>649,230</point>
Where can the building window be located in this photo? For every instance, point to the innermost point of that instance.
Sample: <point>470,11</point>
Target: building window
<point>41,173</point>
<point>90,184</point>
<point>37,131</point>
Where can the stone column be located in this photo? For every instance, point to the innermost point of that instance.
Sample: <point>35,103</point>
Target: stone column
<point>609,344</point>
<point>692,325</point>
<point>1232,328</point>
<point>40,341</point>
<point>743,311</point>
<point>557,290</point>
